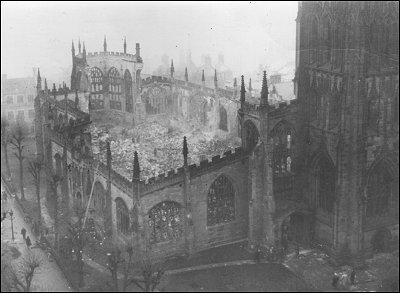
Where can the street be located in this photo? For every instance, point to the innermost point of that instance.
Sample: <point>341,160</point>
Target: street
<point>49,277</point>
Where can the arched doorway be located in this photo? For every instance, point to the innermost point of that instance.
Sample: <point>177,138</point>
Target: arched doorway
<point>296,229</point>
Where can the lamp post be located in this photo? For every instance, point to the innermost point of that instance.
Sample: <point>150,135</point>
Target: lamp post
<point>12,224</point>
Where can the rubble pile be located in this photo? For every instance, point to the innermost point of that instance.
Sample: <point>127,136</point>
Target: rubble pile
<point>159,146</point>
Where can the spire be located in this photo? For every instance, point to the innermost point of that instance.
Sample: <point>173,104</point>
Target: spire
<point>54,87</point>
<point>242,92</point>
<point>215,79</point>
<point>45,85</point>
<point>73,49</point>
<point>250,89</point>
<point>264,90</point>
<point>79,46</point>
<point>203,80</point>
<point>185,151</point>
<point>105,44</point>
<point>136,168</point>
<point>172,68</point>
<point>124,45</point>
<point>39,80</point>
<point>186,75</point>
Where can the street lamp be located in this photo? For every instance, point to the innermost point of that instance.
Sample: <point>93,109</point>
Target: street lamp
<point>12,224</point>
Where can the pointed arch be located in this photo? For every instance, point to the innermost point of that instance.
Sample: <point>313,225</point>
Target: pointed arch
<point>114,87</point>
<point>96,77</point>
<point>325,181</point>
<point>122,213</point>
<point>223,119</point>
<point>221,201</point>
<point>128,91</point>
<point>282,159</point>
<point>165,222</point>
<point>381,188</point>
<point>250,135</point>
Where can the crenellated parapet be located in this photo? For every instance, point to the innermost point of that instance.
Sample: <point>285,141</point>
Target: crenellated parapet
<point>176,176</point>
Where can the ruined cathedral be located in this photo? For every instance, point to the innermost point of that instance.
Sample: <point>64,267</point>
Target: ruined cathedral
<point>322,169</point>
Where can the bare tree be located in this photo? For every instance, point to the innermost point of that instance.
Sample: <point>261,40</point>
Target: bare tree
<point>144,270</point>
<point>17,140</point>
<point>22,273</point>
<point>34,169</point>
<point>152,271</point>
<point>79,237</point>
<point>55,180</point>
<point>5,140</point>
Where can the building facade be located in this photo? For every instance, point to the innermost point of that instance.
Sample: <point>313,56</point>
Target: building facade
<point>322,169</point>
<point>17,99</point>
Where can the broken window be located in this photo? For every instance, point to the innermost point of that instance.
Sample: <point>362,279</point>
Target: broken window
<point>325,184</point>
<point>165,222</point>
<point>96,79</point>
<point>220,202</point>
<point>114,89</point>
<point>57,157</point>
<point>223,119</point>
<point>128,91</point>
<point>282,161</point>
<point>122,216</point>
<point>250,135</point>
<point>379,191</point>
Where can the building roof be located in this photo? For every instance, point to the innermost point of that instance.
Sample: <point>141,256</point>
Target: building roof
<point>18,85</point>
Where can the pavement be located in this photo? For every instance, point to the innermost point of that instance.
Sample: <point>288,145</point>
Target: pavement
<point>49,277</point>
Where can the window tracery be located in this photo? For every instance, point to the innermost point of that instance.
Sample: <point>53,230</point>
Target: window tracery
<point>122,216</point>
<point>165,222</point>
<point>220,202</point>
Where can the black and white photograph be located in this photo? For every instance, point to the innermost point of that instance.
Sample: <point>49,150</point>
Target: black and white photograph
<point>199,146</point>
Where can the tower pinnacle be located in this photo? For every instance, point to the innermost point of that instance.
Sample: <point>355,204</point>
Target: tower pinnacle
<point>264,90</point>
<point>242,92</point>
<point>105,44</point>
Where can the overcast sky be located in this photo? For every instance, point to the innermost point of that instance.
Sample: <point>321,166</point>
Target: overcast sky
<point>39,34</point>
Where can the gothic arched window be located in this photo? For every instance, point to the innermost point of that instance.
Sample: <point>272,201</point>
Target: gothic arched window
<point>99,197</point>
<point>325,184</point>
<point>282,158</point>
<point>128,91</point>
<point>223,119</point>
<point>114,89</point>
<point>96,76</point>
<point>379,191</point>
<point>122,216</point>
<point>250,135</point>
<point>165,222</point>
<point>220,202</point>
<point>57,158</point>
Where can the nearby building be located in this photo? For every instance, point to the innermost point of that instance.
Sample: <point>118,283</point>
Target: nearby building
<point>320,170</point>
<point>17,99</point>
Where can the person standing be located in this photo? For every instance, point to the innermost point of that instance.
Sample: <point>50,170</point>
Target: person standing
<point>28,242</point>
<point>23,233</point>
